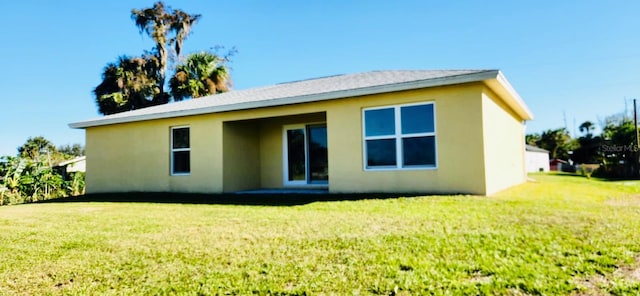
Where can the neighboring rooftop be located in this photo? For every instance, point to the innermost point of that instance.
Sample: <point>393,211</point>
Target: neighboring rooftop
<point>73,160</point>
<point>532,148</point>
<point>318,89</point>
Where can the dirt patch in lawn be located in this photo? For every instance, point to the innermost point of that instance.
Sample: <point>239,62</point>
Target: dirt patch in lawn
<point>629,273</point>
<point>597,284</point>
<point>626,201</point>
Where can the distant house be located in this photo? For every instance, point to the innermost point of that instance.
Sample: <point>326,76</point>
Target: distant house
<point>451,131</point>
<point>558,164</point>
<point>77,164</point>
<point>537,159</point>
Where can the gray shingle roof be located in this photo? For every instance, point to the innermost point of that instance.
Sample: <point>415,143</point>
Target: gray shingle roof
<point>324,88</point>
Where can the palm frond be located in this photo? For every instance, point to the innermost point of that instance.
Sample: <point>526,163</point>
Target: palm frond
<point>200,74</point>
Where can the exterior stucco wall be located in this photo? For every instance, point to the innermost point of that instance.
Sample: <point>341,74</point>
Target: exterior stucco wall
<point>244,149</point>
<point>241,156</point>
<point>503,144</point>
<point>229,152</point>
<point>537,161</point>
<point>458,144</point>
<point>136,156</point>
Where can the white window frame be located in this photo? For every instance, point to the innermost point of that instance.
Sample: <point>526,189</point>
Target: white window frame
<point>285,156</point>
<point>398,136</point>
<point>171,168</point>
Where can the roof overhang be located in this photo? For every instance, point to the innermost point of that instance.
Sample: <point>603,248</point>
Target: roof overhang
<point>501,86</point>
<point>493,78</point>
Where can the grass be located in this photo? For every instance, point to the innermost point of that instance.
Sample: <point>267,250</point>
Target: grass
<point>558,235</point>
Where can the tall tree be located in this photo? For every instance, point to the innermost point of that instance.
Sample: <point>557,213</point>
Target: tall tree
<point>620,152</point>
<point>35,146</point>
<point>532,139</point>
<point>168,28</point>
<point>74,150</point>
<point>557,141</point>
<point>129,83</point>
<point>587,127</point>
<point>200,74</point>
<point>588,146</point>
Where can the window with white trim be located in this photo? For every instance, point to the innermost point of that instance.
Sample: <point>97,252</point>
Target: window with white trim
<point>180,151</point>
<point>400,137</point>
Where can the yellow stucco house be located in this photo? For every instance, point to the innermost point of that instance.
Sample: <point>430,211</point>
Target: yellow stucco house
<point>450,131</point>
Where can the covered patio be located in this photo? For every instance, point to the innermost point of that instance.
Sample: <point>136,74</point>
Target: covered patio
<point>285,153</point>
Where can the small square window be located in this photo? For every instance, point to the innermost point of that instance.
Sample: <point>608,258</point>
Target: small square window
<point>417,119</point>
<point>181,162</point>
<point>381,152</point>
<point>419,151</point>
<point>379,122</point>
<point>181,137</point>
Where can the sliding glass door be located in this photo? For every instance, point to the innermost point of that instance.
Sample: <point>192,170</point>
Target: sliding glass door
<point>306,160</point>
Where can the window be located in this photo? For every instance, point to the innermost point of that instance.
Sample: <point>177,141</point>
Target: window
<point>180,151</point>
<point>400,137</point>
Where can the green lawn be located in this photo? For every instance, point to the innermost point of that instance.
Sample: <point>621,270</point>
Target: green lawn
<point>559,235</point>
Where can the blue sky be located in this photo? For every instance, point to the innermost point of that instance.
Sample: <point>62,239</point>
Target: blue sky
<point>579,58</point>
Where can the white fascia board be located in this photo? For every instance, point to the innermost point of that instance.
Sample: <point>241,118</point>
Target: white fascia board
<point>501,86</point>
<point>515,96</point>
<point>418,84</point>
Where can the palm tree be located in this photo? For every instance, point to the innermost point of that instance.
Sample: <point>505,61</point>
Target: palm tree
<point>201,74</point>
<point>33,147</point>
<point>557,141</point>
<point>160,23</point>
<point>586,127</point>
<point>130,83</point>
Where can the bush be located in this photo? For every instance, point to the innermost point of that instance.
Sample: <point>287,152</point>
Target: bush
<point>614,171</point>
<point>9,198</point>
<point>587,169</point>
<point>567,168</point>
<point>31,180</point>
